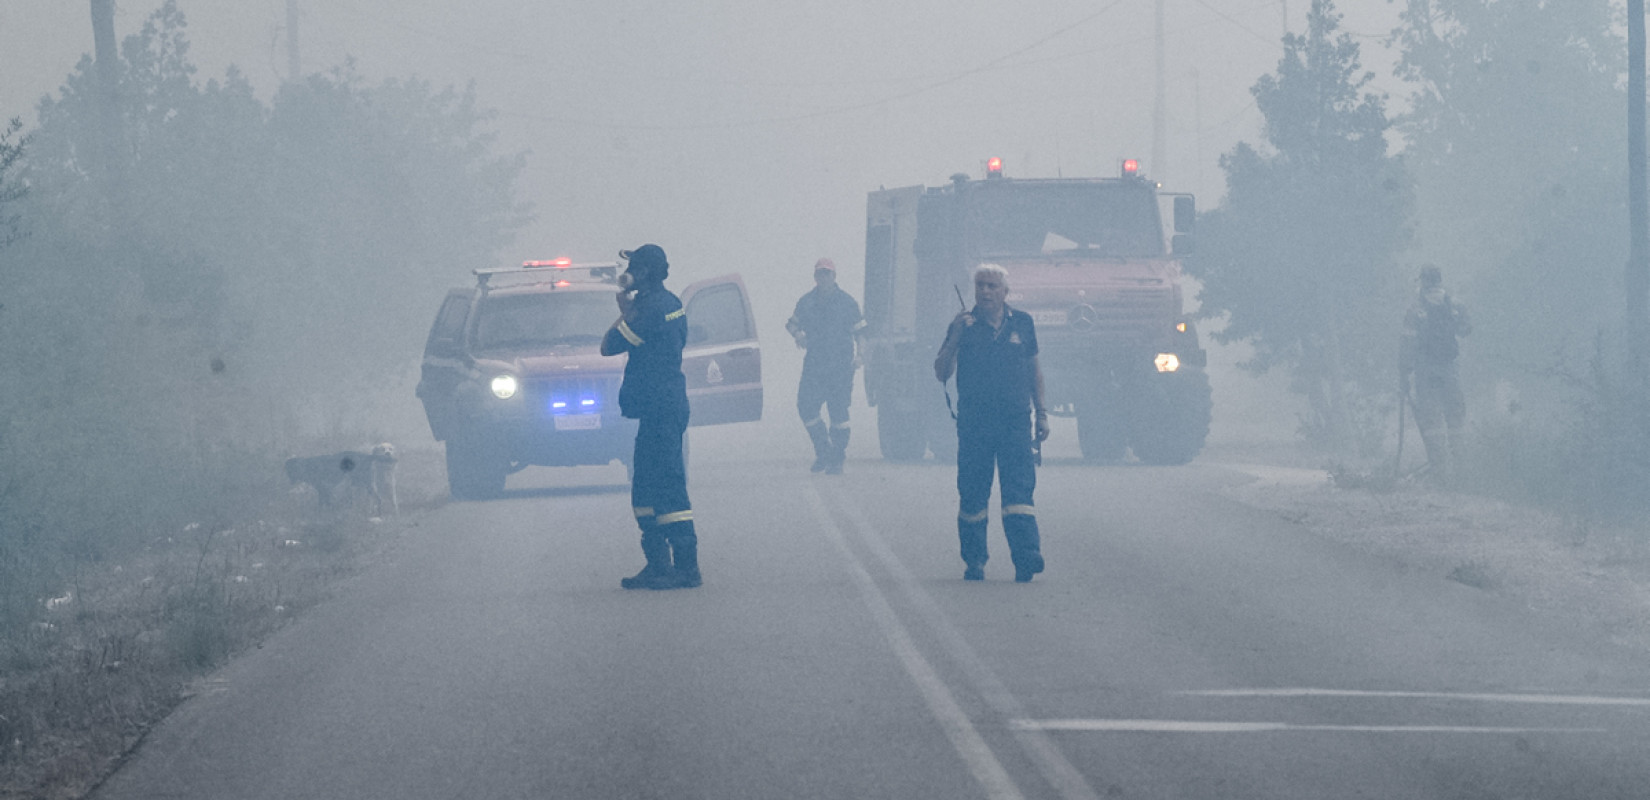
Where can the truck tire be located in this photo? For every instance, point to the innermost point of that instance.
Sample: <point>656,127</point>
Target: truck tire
<point>900,435</point>
<point>474,470</point>
<point>1102,433</point>
<point>1171,420</point>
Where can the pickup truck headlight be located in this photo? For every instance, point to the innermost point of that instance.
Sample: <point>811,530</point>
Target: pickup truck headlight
<point>1167,362</point>
<point>504,387</point>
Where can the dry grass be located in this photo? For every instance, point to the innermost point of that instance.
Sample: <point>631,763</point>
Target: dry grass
<point>86,671</point>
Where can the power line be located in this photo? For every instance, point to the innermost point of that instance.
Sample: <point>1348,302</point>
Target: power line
<point>830,111</point>
<point>1245,28</point>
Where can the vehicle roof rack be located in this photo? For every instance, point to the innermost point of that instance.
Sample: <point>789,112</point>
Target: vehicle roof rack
<point>561,269</point>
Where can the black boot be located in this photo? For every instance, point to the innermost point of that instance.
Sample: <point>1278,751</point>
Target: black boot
<point>971,535</point>
<point>821,438</point>
<point>1023,545</point>
<point>839,449</point>
<point>685,547</point>
<point>657,574</point>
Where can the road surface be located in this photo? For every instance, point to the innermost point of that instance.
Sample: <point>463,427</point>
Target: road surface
<point>1180,645</point>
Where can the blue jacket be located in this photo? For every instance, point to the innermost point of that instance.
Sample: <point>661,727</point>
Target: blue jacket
<point>653,383</point>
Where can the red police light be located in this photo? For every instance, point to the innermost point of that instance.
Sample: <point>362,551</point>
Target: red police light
<point>1131,167</point>
<point>558,263</point>
<point>994,165</point>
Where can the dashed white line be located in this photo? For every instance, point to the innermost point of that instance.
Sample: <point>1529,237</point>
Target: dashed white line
<point>1477,697</point>
<point>1202,726</point>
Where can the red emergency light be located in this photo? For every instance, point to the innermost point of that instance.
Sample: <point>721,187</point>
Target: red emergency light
<point>1131,167</point>
<point>994,167</point>
<point>559,263</point>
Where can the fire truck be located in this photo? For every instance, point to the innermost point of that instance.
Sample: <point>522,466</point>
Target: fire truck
<point>1090,260</point>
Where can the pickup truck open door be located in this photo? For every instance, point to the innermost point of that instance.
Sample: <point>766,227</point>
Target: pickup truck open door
<point>723,360</point>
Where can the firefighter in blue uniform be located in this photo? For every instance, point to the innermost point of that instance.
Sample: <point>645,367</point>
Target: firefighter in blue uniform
<point>652,328</point>
<point>993,351</point>
<point>1433,329</point>
<point>827,324</point>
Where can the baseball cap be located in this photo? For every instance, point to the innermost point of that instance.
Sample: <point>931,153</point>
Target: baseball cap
<point>647,256</point>
<point>825,263</point>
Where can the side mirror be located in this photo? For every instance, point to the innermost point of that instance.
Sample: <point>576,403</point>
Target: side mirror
<point>1183,244</point>
<point>1185,215</point>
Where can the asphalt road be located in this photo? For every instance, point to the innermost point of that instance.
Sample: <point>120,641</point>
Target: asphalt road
<point>1180,645</point>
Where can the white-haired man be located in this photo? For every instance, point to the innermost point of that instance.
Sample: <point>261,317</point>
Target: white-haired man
<point>992,348</point>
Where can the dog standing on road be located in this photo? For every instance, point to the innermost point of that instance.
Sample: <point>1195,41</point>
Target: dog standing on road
<point>371,472</point>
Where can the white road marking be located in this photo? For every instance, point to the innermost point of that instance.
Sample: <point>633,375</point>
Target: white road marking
<point>981,761</point>
<point>1056,769</point>
<point>1477,697</point>
<point>1198,726</point>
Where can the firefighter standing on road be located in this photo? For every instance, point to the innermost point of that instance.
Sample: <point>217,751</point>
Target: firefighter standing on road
<point>826,323</point>
<point>1433,329</point>
<point>652,328</point>
<point>993,351</point>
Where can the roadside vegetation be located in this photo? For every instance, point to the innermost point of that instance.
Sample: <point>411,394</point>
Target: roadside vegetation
<point>1506,169</point>
<point>196,283</point>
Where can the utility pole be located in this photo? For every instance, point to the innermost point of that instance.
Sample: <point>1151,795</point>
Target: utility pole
<point>1638,211</point>
<point>108,86</point>
<point>1159,167</point>
<point>1285,17</point>
<point>294,65</point>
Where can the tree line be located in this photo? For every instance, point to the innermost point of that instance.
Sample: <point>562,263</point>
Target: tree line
<point>197,278</point>
<point>1506,168</point>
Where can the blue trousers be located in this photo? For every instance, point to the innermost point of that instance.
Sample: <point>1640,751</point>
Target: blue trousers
<point>1002,447</point>
<point>658,486</point>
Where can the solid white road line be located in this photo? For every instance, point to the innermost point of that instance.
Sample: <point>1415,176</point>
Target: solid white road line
<point>981,761</point>
<point>1056,769</point>
<point>1198,726</point>
<point>1476,697</point>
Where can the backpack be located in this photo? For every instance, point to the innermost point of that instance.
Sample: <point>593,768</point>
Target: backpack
<point>1437,338</point>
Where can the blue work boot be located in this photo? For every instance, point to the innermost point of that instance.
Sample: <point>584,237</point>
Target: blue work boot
<point>657,574</point>
<point>684,544</point>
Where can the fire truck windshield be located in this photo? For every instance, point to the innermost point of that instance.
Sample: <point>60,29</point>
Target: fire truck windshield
<point>1032,218</point>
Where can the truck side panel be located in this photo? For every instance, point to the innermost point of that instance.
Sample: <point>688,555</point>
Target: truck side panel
<point>891,260</point>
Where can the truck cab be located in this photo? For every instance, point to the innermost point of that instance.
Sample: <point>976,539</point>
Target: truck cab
<point>1088,259</point>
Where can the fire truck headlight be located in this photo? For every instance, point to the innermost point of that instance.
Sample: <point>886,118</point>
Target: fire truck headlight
<point>1167,362</point>
<point>504,386</point>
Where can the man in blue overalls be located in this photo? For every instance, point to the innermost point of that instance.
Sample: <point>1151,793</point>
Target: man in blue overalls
<point>993,351</point>
<point>827,324</point>
<point>652,328</point>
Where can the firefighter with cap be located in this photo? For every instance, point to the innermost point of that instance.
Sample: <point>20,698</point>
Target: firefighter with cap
<point>1427,377</point>
<point>827,324</point>
<point>992,348</point>
<point>652,329</point>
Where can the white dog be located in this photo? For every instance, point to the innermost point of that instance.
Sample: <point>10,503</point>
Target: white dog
<point>370,472</point>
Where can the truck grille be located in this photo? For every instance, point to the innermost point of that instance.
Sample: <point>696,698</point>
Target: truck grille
<point>1123,315</point>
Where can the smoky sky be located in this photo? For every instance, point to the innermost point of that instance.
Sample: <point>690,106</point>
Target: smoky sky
<point>744,136</point>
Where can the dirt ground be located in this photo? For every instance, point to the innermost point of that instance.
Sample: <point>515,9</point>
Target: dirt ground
<point>1583,575</point>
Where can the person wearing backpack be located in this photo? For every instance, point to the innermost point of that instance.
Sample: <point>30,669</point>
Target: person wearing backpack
<point>1427,376</point>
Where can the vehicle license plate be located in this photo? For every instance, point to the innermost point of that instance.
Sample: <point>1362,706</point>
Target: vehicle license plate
<point>579,422</point>
<point>1048,317</point>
